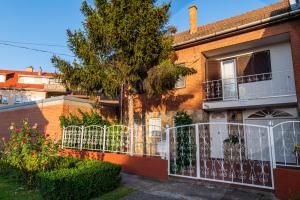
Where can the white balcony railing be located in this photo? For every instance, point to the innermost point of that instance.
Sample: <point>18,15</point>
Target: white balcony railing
<point>266,85</point>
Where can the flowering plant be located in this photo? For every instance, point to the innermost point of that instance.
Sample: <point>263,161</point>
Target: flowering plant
<point>28,149</point>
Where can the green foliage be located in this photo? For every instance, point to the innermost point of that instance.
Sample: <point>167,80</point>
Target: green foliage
<point>27,151</point>
<point>86,180</point>
<point>182,139</point>
<point>233,139</point>
<point>85,119</point>
<point>123,42</point>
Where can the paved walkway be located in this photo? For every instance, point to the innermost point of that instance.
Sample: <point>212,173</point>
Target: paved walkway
<point>153,190</point>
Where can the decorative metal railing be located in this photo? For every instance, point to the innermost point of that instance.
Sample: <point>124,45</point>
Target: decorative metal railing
<point>224,152</point>
<point>280,83</point>
<point>232,153</point>
<point>141,140</point>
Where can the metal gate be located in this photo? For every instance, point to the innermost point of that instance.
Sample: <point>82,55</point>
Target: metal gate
<point>224,152</point>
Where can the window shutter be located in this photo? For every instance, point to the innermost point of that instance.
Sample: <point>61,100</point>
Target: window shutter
<point>213,70</point>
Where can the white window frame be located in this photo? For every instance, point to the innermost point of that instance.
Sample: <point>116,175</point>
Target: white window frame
<point>155,127</point>
<point>18,99</point>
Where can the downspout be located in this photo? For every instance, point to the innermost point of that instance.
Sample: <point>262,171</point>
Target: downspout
<point>237,28</point>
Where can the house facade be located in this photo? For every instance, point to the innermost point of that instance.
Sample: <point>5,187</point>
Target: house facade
<point>18,87</point>
<point>247,70</point>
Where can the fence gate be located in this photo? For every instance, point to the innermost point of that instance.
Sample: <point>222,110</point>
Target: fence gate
<point>224,152</point>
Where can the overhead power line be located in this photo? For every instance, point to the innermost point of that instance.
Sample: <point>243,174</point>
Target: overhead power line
<point>35,44</point>
<point>34,49</point>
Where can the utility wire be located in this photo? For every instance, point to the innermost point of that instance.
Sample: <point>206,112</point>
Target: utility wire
<point>34,49</point>
<point>36,44</point>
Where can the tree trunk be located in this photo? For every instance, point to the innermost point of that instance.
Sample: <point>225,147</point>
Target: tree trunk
<point>130,110</point>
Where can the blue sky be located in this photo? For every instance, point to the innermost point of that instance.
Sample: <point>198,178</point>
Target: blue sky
<point>46,21</point>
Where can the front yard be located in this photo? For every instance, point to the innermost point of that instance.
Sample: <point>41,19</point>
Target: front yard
<point>11,190</point>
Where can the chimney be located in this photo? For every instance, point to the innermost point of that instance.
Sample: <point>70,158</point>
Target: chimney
<point>40,71</point>
<point>29,69</point>
<point>193,19</point>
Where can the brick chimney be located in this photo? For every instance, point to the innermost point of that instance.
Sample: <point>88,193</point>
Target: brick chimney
<point>193,19</point>
<point>29,69</point>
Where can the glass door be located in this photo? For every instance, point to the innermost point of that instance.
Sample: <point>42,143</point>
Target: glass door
<point>229,81</point>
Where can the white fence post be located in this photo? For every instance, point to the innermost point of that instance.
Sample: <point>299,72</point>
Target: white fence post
<point>81,137</point>
<point>131,141</point>
<point>63,137</point>
<point>272,146</point>
<point>104,137</point>
<point>168,147</point>
<point>197,150</point>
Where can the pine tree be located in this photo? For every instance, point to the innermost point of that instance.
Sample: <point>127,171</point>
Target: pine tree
<point>123,42</point>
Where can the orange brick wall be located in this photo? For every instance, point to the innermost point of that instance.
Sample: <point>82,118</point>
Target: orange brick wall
<point>191,97</point>
<point>46,116</point>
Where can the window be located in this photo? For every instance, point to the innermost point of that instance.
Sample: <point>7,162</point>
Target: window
<point>21,99</point>
<point>30,80</point>
<point>258,64</point>
<point>180,82</point>
<point>2,78</point>
<point>18,99</point>
<point>3,99</point>
<point>154,126</point>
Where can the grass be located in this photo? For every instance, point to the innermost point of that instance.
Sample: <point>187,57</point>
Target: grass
<point>10,190</point>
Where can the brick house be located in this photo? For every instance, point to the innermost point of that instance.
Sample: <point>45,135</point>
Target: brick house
<point>18,87</point>
<point>247,68</point>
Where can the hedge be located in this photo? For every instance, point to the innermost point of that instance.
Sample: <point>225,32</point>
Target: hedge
<point>28,178</point>
<point>86,180</point>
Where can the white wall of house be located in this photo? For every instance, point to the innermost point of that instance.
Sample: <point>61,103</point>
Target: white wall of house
<point>282,82</point>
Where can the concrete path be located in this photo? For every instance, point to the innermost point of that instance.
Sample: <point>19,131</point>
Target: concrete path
<point>181,189</point>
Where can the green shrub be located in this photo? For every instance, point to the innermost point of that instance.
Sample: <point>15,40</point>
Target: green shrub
<point>83,119</point>
<point>183,140</point>
<point>88,179</point>
<point>27,151</point>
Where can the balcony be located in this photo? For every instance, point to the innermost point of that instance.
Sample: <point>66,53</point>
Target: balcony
<point>273,88</point>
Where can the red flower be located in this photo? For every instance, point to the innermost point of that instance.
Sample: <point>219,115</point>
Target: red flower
<point>17,130</point>
<point>47,135</point>
<point>24,140</point>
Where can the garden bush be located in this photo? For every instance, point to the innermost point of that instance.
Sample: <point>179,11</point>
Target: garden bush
<point>86,180</point>
<point>84,119</point>
<point>26,152</point>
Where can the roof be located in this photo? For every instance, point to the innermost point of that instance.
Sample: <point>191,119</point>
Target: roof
<point>232,22</point>
<point>12,79</point>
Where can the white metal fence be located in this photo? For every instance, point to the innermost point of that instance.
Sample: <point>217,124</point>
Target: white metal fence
<point>141,140</point>
<point>232,153</point>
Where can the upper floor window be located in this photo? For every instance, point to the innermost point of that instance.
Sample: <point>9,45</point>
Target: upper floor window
<point>249,67</point>
<point>2,78</point>
<point>34,80</point>
<point>180,82</point>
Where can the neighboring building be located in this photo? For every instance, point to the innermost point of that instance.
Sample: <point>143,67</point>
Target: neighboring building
<point>248,70</point>
<point>24,86</point>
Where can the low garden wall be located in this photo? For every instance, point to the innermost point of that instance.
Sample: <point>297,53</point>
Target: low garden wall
<point>287,182</point>
<point>151,167</point>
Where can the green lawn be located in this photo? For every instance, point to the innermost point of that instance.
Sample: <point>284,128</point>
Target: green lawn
<point>9,190</point>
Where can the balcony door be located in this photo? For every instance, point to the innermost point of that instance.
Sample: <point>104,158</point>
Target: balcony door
<point>229,81</point>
